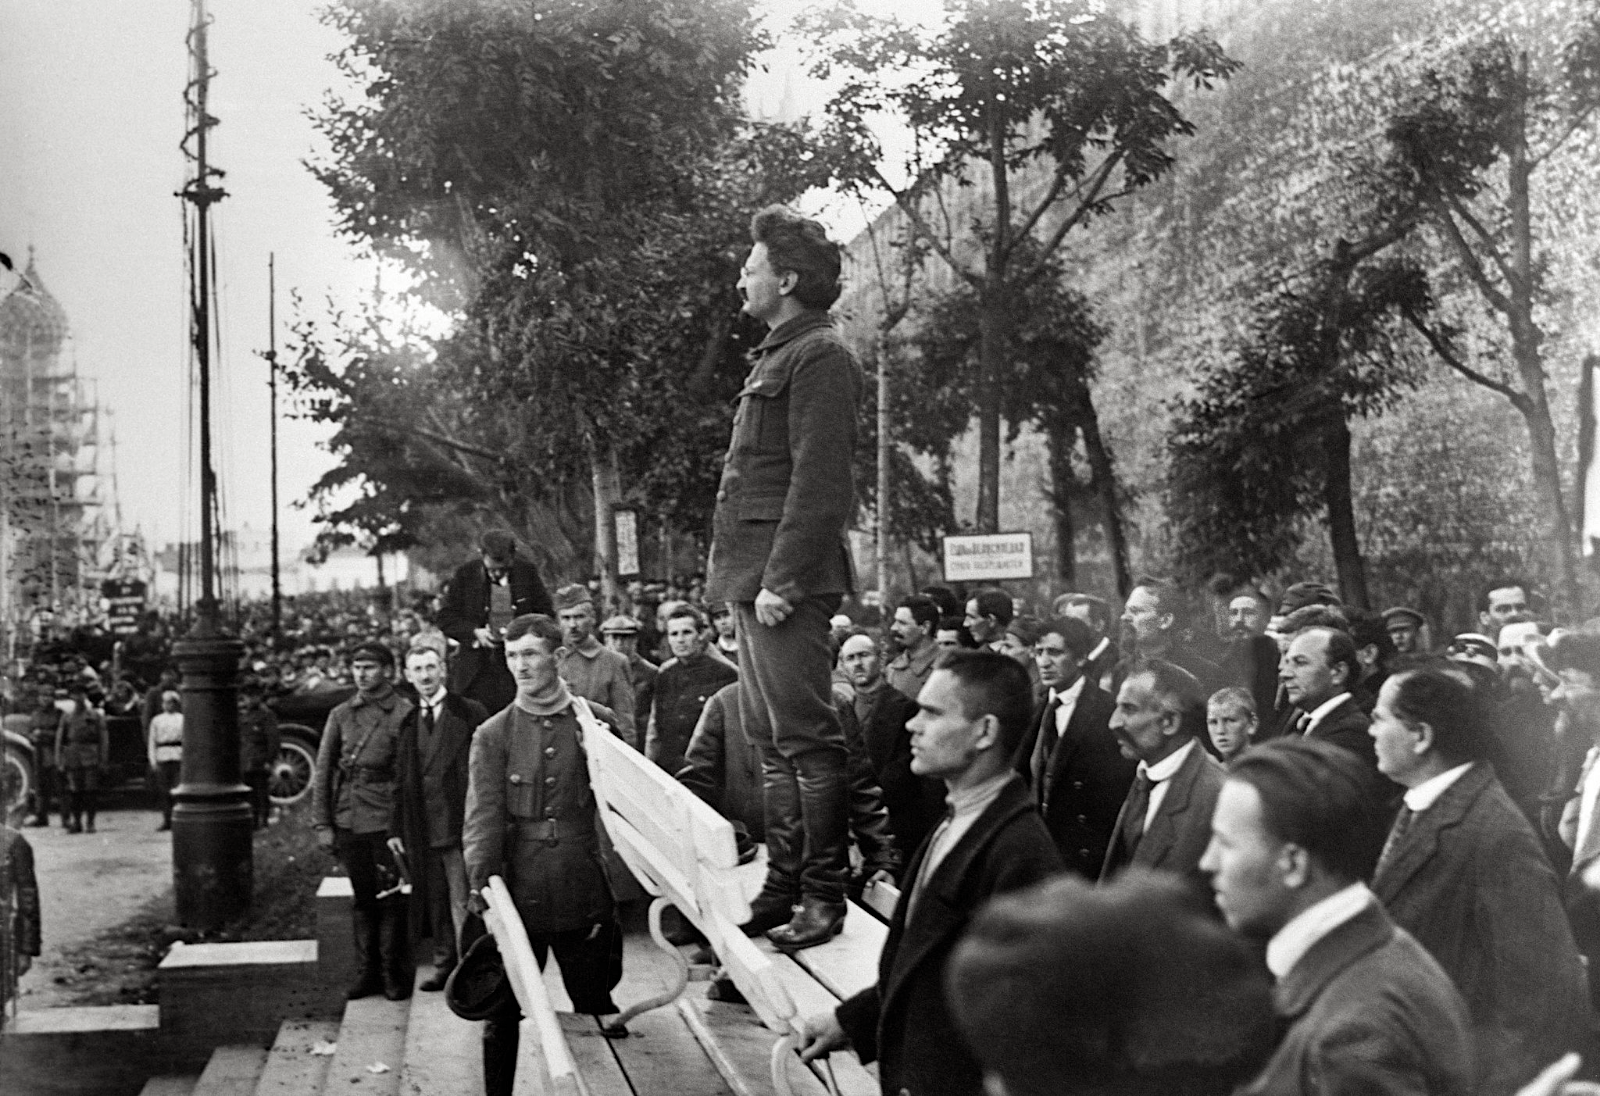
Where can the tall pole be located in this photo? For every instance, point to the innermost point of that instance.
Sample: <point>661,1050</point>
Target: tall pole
<point>883,471</point>
<point>272,421</point>
<point>212,823</point>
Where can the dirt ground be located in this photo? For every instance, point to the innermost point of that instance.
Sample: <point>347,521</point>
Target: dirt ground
<point>90,885</point>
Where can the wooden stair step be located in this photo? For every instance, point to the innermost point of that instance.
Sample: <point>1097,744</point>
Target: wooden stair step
<point>291,1068</point>
<point>232,1071</point>
<point>171,1085</point>
<point>443,1053</point>
<point>373,1033</point>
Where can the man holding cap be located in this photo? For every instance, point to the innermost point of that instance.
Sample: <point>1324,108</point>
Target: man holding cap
<point>351,804</point>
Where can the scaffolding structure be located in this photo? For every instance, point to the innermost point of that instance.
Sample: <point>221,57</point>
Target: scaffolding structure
<point>56,510</point>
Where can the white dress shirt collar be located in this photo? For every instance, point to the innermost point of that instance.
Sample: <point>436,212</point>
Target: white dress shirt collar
<point>1427,793</point>
<point>1301,934</point>
<point>1320,712</point>
<point>1168,766</point>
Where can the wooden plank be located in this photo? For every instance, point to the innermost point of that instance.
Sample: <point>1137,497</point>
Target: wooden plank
<point>752,970</point>
<point>661,1055</point>
<point>740,1046</point>
<point>880,899</point>
<point>597,1064</point>
<point>528,982</point>
<point>848,963</point>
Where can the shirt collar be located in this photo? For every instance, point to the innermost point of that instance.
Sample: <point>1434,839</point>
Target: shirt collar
<point>1100,648</point>
<point>1301,934</point>
<point>1427,793</point>
<point>589,648</point>
<point>976,798</point>
<point>437,700</point>
<point>1168,766</point>
<point>1327,706</point>
<point>1070,694</point>
<point>793,328</point>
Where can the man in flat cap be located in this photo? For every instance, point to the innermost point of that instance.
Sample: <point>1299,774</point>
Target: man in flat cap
<point>591,669</point>
<point>621,634</point>
<point>481,599</point>
<point>1405,630</point>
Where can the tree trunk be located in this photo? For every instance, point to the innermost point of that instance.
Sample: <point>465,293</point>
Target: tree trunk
<point>884,507</point>
<point>991,354</point>
<point>1063,486</point>
<point>1336,496</point>
<point>1103,478</point>
<point>606,473</point>
<point>1526,350</point>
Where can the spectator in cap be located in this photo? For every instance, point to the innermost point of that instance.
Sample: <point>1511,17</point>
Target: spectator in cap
<point>727,640</point>
<point>1364,1007</point>
<point>621,634</point>
<point>1130,988</point>
<point>1406,630</point>
<point>1302,594</point>
<point>479,601</point>
<point>351,804</point>
<point>591,669</point>
<point>259,742</point>
<point>1476,649</point>
<point>83,748</point>
<point>1069,757</point>
<point>1464,873</point>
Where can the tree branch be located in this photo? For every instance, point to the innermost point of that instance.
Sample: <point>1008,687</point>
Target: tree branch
<point>1057,184</point>
<point>907,203</point>
<point>1579,120</point>
<point>1097,182</point>
<point>1488,241</point>
<point>1452,233</point>
<point>376,426</point>
<point>1447,355</point>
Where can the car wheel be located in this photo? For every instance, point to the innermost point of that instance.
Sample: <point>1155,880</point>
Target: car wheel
<point>16,783</point>
<point>291,772</point>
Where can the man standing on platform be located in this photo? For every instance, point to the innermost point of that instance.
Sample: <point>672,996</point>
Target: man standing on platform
<point>480,601</point>
<point>531,818</point>
<point>430,798</point>
<point>351,803</point>
<point>778,555</point>
<point>591,669</point>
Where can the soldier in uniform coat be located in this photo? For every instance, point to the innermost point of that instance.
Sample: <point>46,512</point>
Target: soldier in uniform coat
<point>531,818</point>
<point>352,801</point>
<point>19,911</point>
<point>482,598</point>
<point>83,747</point>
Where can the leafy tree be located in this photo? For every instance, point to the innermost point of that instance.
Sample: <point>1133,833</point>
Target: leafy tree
<point>1469,144</point>
<point>1266,441</point>
<point>1002,93</point>
<point>572,180</point>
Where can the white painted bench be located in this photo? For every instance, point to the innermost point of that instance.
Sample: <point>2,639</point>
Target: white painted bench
<point>683,854</point>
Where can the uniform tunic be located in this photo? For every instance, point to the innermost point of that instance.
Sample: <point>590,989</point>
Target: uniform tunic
<point>356,763</point>
<point>531,817</point>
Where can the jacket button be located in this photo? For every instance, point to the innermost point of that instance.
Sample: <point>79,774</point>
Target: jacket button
<point>549,781</point>
<point>549,751</point>
<point>722,496</point>
<point>1083,819</point>
<point>516,778</point>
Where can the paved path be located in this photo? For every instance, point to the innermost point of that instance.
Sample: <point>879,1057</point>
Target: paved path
<point>92,882</point>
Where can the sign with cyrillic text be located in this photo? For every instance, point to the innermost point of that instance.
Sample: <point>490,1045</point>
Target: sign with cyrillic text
<point>988,557</point>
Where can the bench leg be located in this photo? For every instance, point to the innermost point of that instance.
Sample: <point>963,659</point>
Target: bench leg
<point>682,980</point>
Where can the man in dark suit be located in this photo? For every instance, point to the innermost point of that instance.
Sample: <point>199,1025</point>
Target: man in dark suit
<point>778,556</point>
<point>973,714</point>
<point>1165,821</point>
<point>915,803</point>
<point>1069,757</point>
<point>1154,625</point>
<point>430,800</point>
<point>1464,873</point>
<point>1319,670</point>
<point>1365,1008</point>
<point>482,598</point>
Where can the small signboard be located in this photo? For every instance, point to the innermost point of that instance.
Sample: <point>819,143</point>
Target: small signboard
<point>627,542</point>
<point>125,600</point>
<point>988,557</point>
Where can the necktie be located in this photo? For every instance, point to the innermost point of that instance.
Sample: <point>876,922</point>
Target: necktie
<point>1133,817</point>
<point>1048,737</point>
<point>1397,833</point>
<point>427,722</point>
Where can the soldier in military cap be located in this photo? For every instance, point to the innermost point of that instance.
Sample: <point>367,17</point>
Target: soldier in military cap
<point>351,803</point>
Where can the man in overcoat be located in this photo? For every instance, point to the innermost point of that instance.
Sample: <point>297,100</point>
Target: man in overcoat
<point>1464,873</point>
<point>973,713</point>
<point>351,805</point>
<point>531,818</point>
<point>481,599</point>
<point>430,802</point>
<point>778,556</point>
<point>1364,1007</point>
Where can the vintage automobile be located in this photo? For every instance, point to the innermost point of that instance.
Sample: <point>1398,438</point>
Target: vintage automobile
<point>301,717</point>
